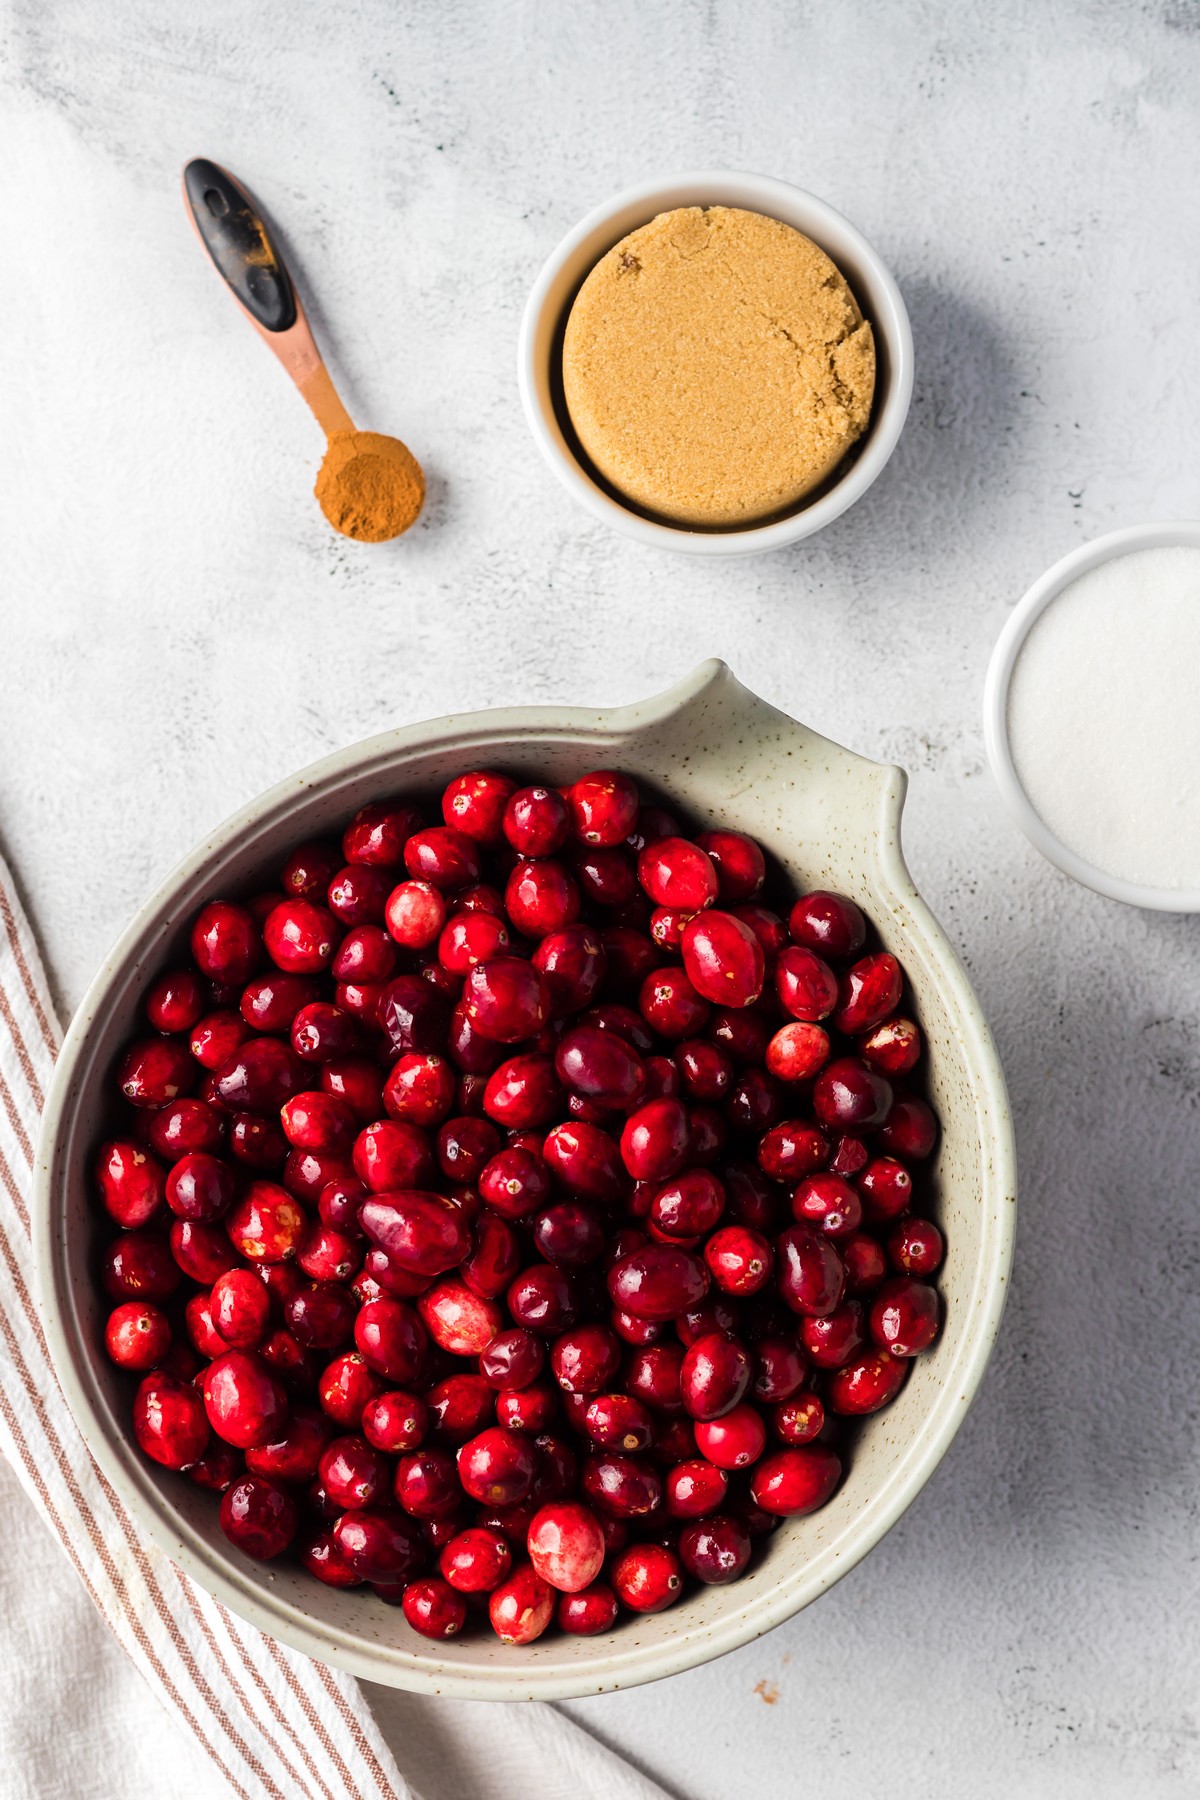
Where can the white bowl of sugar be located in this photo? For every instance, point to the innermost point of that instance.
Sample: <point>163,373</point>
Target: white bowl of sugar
<point>1092,715</point>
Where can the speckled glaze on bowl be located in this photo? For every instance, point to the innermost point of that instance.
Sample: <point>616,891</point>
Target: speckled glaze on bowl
<point>832,819</point>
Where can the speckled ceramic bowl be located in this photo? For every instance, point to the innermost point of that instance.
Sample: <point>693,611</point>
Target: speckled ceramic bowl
<point>833,820</point>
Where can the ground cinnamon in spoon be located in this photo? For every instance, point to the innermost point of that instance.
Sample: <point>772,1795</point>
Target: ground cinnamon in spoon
<point>369,487</point>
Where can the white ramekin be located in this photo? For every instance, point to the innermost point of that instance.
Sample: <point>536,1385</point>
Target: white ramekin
<point>540,350</point>
<point>833,820</point>
<point>995,710</point>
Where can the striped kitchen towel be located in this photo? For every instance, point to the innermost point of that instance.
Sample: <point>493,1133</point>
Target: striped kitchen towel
<point>276,1725</point>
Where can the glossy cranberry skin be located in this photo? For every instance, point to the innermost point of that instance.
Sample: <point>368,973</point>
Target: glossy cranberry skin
<point>377,833</point>
<point>808,1272</point>
<point>566,1545</point>
<point>910,1130</point>
<point>309,869</point>
<point>359,1082</point>
<point>169,1421</point>
<point>647,1578</point>
<point>791,1150</point>
<point>756,1101</point>
<point>798,1051</point>
<point>266,1225</point>
<point>391,1339</point>
<point>715,1375</point>
<point>655,1140</point>
<point>185,1125</point>
<point>421,1232</point>
<point>893,1048</point>
<point>828,1203</point>
<point>791,1482</point>
<point>847,1096</point>
<point>293,1457</point>
<point>176,1001</point>
<point>393,1156</point>
<point>622,1486</point>
<point>589,1613</point>
<point>444,857</point>
<point>915,1246</point>
<point>530,1409</point>
<point>425,1484</point>
<point>865,1263</point>
<point>413,1015</point>
<point>506,999</point>
<point>670,1004</point>
<point>904,1316</point>
<point>354,1473</point>
<point>395,1422</point>
<point>475,1560</point>
<point>779,1370</point>
<point>739,1259</point>
<point>866,1384</point>
<point>573,964</point>
<point>885,1186</point>
<point>798,1419</point>
<point>618,1422</point>
<point>869,992</point>
<point>300,937</point>
<point>658,1281</point>
<point>807,987</point>
<point>216,1037</point>
<point>497,1467</point>
<point>652,1374</point>
<point>601,1066</point>
<point>690,1206</point>
<point>523,1092</point>
<point>137,1335</point>
<point>542,1299</point>
<point>155,1071</point>
<point>536,821</point>
<point>259,1518</point>
<point>244,1401</point>
<point>715,1550</point>
<point>476,803</point>
<point>751,1198</point>
<point>260,1076</point>
<point>139,1266</point>
<point>829,924</point>
<point>515,1183</point>
<point>521,1607</point>
<point>225,943</point>
<point>603,808</point>
<point>320,1557</point>
<point>379,1546</point>
<point>723,959</point>
<point>457,1319</point>
<point>585,1161</point>
<point>695,1488</point>
<point>739,862</point>
<point>713,1314</point>
<point>344,1388</point>
<point>201,1251</point>
<point>433,1608</point>
<point>837,1338</point>
<point>735,1440</point>
<point>677,874</point>
<point>240,1308</point>
<point>130,1181</point>
<point>585,1360</point>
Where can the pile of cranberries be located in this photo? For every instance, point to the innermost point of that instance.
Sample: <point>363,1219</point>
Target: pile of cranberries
<point>512,1210</point>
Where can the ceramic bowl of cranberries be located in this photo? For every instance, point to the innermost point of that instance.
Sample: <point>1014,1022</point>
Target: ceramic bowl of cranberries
<point>522,1210</point>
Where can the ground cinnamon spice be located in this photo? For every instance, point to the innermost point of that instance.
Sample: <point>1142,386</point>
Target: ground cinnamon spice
<point>369,486</point>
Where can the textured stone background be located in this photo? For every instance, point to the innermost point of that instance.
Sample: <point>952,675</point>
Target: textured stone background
<point>179,629</point>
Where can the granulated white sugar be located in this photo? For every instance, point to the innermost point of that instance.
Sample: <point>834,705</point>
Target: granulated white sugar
<point>1104,717</point>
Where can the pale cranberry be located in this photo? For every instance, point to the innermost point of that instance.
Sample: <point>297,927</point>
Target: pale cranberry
<point>795,1481</point>
<point>603,807</point>
<point>869,991</point>
<point>647,1578</point>
<point>847,1096</point>
<point>244,1401</point>
<point>829,1203</point>
<point>521,1607</point>
<point>809,1272</point>
<point>458,1320</point>
<point>131,1183</point>
<point>798,1051</point>
<point>542,1299</point>
<point>566,1545</point>
<point>739,1259</point>
<point>415,914</point>
<point>623,1486</point>
<point>137,1335</point>
<point>740,864</point>
<point>259,1518</point>
<point>225,943</point>
<point>904,1316</point>
<point>589,1613</point>
<point>523,1092</point>
<point>868,1383</point>
<point>723,959</point>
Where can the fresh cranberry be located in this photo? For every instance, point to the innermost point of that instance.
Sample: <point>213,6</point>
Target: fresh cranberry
<point>795,1481</point>
<point>523,1092</point>
<point>497,1466</point>
<point>715,1375</point>
<point>353,1473</point>
<point>415,914</point>
<point>735,1440</point>
<point>506,999</point>
<point>791,1150</point>
<point>695,1488</point>
<point>743,1035</point>
<point>752,1199</point>
<point>320,1557</point>
<point>836,1338</point>
<point>476,803</point>
<point>586,1162</point>
<point>886,1189</point>
<point>521,1607</point>
<point>868,1383</point>
<point>295,1456</point>
<point>240,1308</point>
<point>689,1206</point>
<point>566,1546</point>
<point>739,1259</point>
<point>893,1048</point>
<point>904,1316</point>
<point>866,1265</point>
<point>155,1071</point>
<point>767,927</point>
<point>622,1486</point>
<point>541,897</point>
<point>419,1231</point>
<point>201,1251</point>
<point>215,1038</point>
<point>395,1422</point>
<point>457,1319</point>
<point>779,1369</point>
<point>807,987</point>
<point>723,959</point>
<point>658,1282</point>
<point>629,957</point>
<point>915,1246</point>
<point>601,1066</point>
<point>653,1375</point>
<point>850,1156</point>
<point>259,1518</point>
<point>300,937</point>
<point>433,1608</point>
<point>344,1388</point>
<point>131,1183</point>
<point>809,1272</point>
<point>798,1051</point>
<point>756,1101</point>
<point>413,1015</point>
<point>260,1076</point>
<point>677,873</point>
<point>536,821</point>
<point>309,869</point>
<point>670,1004</point>
<point>829,1203</point>
<point>619,1422</point>
<point>870,990</point>
<point>715,1550</point>
<point>378,1546</point>
<point>175,1001</point>
<point>425,1484</point>
<point>655,1140</point>
<point>847,1096</point>
<point>391,1338</point>
<point>569,1234</point>
<point>169,1421</point>
<point>137,1335</point>
<point>225,943</point>
<point>740,864</point>
<point>244,1401</point>
<point>603,808</point>
<point>647,1578</point>
<point>573,963</point>
<point>585,1360</point>
<point>713,1314</point>
<point>799,1419</point>
<point>266,1225</point>
<point>530,1409</point>
<point>542,1299</point>
<point>588,1613</point>
<point>186,1125</point>
<point>829,924</point>
<point>139,1266</point>
<point>377,833</point>
<point>444,857</point>
<point>475,1561</point>
<point>705,1070</point>
<point>910,1130</point>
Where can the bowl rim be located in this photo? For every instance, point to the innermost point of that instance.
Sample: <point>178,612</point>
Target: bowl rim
<point>807,213</point>
<point>982,1303</point>
<point>1166,535</point>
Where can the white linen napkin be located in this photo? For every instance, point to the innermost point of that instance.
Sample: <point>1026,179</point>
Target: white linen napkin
<point>276,1725</point>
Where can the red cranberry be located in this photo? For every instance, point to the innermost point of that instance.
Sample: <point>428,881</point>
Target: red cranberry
<point>270,1002</point>
<point>542,1299</point>
<point>294,1457</point>
<point>225,943</point>
<point>695,1488</point>
<point>569,1234</point>
<point>767,927</point>
<point>320,1557</point>
<point>259,1518</point>
<point>735,1440</point>
<point>603,808</point>
<point>807,987</point>
<point>395,1421</point>
<point>589,1613</point>
<point>470,938</point>
<point>655,1140</point>
<point>715,1375</point>
<point>566,1546</point>
<point>756,1101</point>
<point>260,1076</point>
<point>420,1088</point>
<point>829,924</point>
<point>586,1162</point>
<point>266,1225</point>
<point>184,1126</point>
<point>601,1066</point>
<point>809,1272</point>
<point>573,963</point>
<point>131,1183</point>
<point>832,1341</point>
<point>216,1037</point>
<point>536,821</point>
<point>791,1482</point>
<point>847,1096</point>
<point>512,1359</point>
<point>139,1266</point>
<point>531,1409</point>
<point>714,1314</point>
<point>201,1251</point>
<point>739,1259</point>
<point>893,1048</point>
<point>392,1155</point>
<point>798,1051</point>
<point>377,833</point>
<point>426,1485</point>
<point>475,1561</point>
<point>714,1550</point>
<point>155,1071</point>
<point>915,1246</point>
<point>658,1282</point>
<point>870,990</point>
<point>723,958</point>
<point>523,1092</point>
<point>705,1070</point>
<point>309,869</point>
<point>585,1360</point>
<point>515,1183</point>
<point>353,1473</point>
<point>904,1316</point>
<point>321,1315</point>
<point>240,1308</point>
<point>458,1320</point>
<point>619,1422</point>
<point>415,914</point>
<point>676,873</point>
<point>344,1388</point>
<point>378,1546</point>
<point>629,958</point>
<point>433,1608</point>
<point>244,1401</point>
<point>743,1035</point>
<point>829,1203</point>
<point>391,1338</point>
<point>506,999</point>
<point>476,803</point>
<point>495,1259</point>
<point>689,1206</point>
<point>791,1150</point>
<point>740,864</point>
<point>798,1419</point>
<point>670,1004</point>
<point>865,1262</point>
<point>779,1369</point>
<point>752,1199</point>
<point>653,1375</point>
<point>521,1607</point>
<point>169,1421</point>
<point>910,1130</point>
<point>886,1189</point>
<point>622,1486</point>
<point>358,1082</point>
<point>497,1466</point>
<point>175,1001</point>
<point>300,937</point>
<point>868,1383</point>
<point>647,1578</point>
<point>442,856</point>
<point>137,1335</point>
<point>318,1121</point>
<point>413,1015</point>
